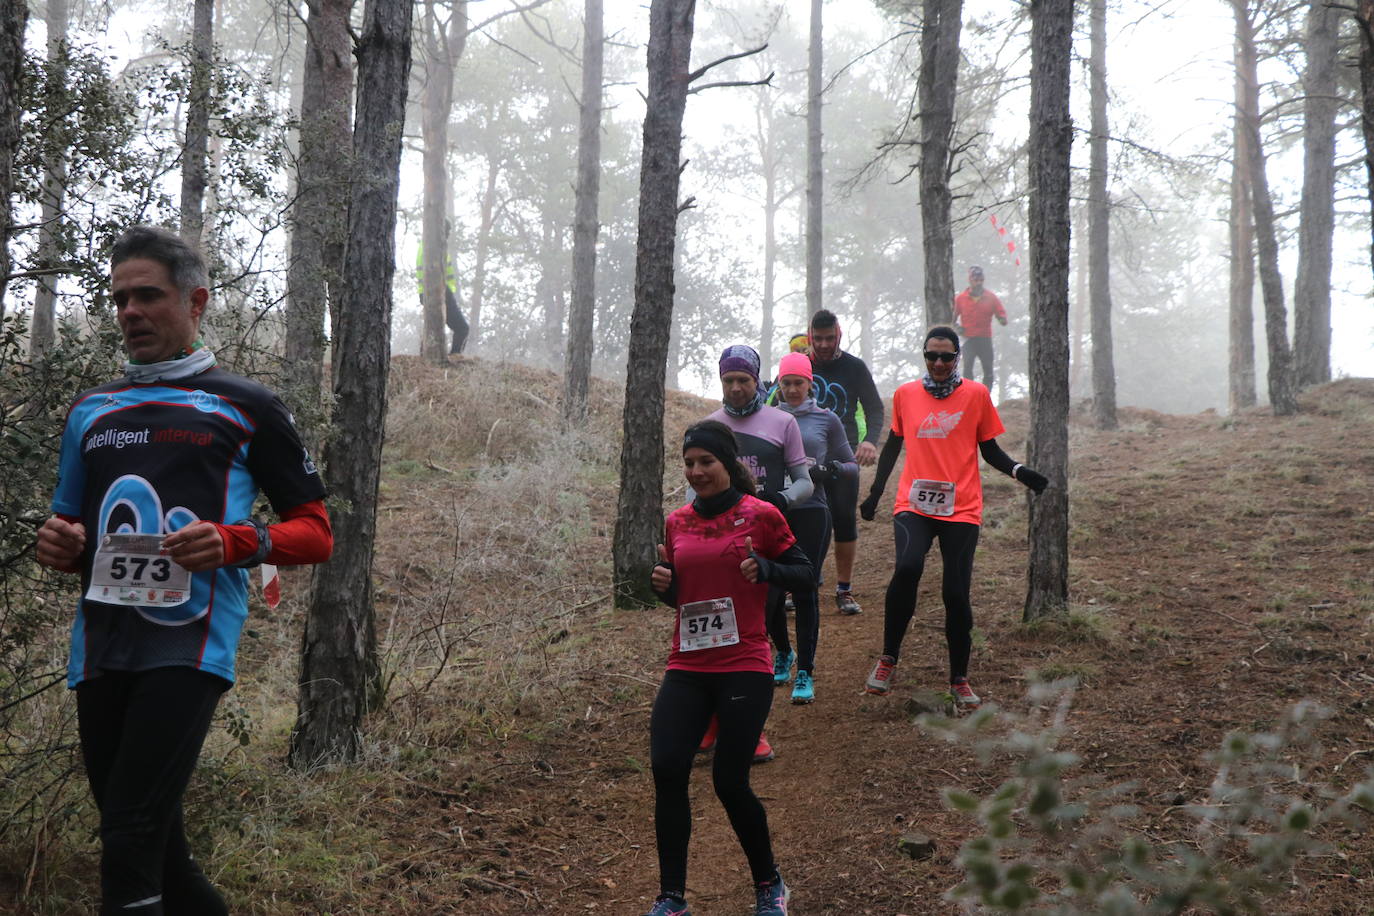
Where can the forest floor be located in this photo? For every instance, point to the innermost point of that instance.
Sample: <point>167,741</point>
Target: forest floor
<point>1220,573</point>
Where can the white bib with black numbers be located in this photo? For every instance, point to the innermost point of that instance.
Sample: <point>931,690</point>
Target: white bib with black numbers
<point>131,569</point>
<point>707,625</point>
<point>932,497</point>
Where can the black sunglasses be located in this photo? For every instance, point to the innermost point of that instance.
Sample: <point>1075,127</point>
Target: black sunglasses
<point>932,356</point>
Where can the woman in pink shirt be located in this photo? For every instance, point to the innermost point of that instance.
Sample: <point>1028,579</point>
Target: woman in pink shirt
<point>718,557</point>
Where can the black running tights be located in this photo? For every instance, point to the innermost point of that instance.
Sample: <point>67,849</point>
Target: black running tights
<point>913,534</point>
<point>811,527</point>
<point>141,733</point>
<point>686,701</point>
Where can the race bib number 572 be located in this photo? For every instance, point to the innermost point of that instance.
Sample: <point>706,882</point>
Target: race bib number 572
<point>130,569</point>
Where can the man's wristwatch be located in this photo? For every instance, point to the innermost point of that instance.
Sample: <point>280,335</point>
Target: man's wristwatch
<point>264,543</point>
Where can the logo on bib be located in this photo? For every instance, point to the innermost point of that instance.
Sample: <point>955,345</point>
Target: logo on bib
<point>939,425</point>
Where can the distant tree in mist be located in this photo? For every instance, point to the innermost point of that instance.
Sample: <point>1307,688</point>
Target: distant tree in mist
<point>1282,390</point>
<point>577,366</point>
<point>195,150</point>
<point>1317,211</point>
<point>1099,227</point>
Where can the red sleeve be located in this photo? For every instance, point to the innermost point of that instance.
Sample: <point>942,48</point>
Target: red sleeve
<point>69,519</point>
<point>897,413</point>
<point>303,536</point>
<point>997,305</point>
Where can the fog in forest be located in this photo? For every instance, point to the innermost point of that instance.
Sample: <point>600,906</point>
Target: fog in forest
<point>512,148</point>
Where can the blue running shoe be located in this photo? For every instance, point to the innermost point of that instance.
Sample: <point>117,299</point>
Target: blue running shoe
<point>803,688</point>
<point>771,898</point>
<point>782,666</point>
<point>668,905</point>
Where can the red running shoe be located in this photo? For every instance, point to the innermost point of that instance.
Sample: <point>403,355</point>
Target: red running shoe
<point>764,752</point>
<point>708,740</point>
<point>964,695</point>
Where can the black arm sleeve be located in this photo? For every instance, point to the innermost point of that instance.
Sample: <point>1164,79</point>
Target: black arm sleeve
<point>668,597</point>
<point>887,460</point>
<point>872,403</point>
<point>993,455</point>
<point>790,571</point>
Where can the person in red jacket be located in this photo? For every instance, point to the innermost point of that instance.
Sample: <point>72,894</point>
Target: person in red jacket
<point>974,310</point>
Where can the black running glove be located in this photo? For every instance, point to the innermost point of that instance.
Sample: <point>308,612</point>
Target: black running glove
<point>821,473</point>
<point>1033,479</point>
<point>869,507</point>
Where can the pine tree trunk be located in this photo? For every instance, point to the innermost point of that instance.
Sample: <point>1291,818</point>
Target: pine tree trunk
<point>1317,220</point>
<point>51,194</point>
<point>814,177</point>
<point>194,152</point>
<point>936,83</point>
<point>1364,19</point>
<point>1051,140</point>
<point>639,511</point>
<point>1099,231</point>
<point>1282,395</point>
<point>577,365</point>
<point>479,268</point>
<point>765,139</point>
<point>1241,365</point>
<point>339,679</point>
<point>444,45</point>
<point>14,19</point>
<point>319,216</point>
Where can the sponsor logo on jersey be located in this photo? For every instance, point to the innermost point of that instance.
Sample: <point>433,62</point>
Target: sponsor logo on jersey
<point>193,436</point>
<point>938,425</point>
<point>309,465</point>
<point>204,401</point>
<point>116,438</point>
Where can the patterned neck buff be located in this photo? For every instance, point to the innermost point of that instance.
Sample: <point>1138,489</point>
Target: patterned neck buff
<point>942,390</point>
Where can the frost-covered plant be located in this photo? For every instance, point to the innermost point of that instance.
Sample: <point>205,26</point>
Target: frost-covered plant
<point>1054,843</point>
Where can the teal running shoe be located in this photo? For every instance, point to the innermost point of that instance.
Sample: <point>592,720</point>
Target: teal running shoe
<point>803,688</point>
<point>771,898</point>
<point>782,666</point>
<point>668,905</point>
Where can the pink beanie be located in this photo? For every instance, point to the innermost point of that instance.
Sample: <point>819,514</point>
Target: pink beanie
<point>795,364</point>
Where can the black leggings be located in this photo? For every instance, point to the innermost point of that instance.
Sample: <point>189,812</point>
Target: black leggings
<point>842,495</point>
<point>740,700</point>
<point>811,527</point>
<point>978,348</point>
<point>913,534</point>
<point>141,733</point>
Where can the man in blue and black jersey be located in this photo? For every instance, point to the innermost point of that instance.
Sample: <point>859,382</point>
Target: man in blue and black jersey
<point>158,474</point>
<point>842,383</point>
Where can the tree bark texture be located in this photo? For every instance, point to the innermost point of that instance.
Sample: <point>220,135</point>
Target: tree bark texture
<point>339,671</point>
<point>1241,366</point>
<point>479,268</point>
<point>936,83</point>
<point>814,178</point>
<point>444,43</point>
<point>639,511</point>
<point>1099,228</point>
<point>319,215</point>
<point>53,191</point>
<point>1051,141</point>
<point>14,19</point>
<point>1364,19</point>
<point>1317,212</point>
<point>577,364</point>
<point>1282,391</point>
<point>195,152</point>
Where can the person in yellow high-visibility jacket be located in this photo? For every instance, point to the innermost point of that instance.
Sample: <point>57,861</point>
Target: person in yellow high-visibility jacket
<point>453,313</point>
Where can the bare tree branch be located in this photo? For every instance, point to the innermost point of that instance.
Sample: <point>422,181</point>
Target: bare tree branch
<point>701,71</point>
<point>766,81</point>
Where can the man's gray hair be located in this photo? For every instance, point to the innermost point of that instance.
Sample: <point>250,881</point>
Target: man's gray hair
<point>183,262</point>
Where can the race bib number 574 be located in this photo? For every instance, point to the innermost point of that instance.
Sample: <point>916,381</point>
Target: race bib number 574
<point>707,625</point>
<point>130,569</point>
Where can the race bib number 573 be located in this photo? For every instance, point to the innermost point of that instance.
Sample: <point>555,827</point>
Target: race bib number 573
<point>130,569</point>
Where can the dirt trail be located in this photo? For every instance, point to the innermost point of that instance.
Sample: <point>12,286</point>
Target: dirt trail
<point>1189,533</point>
<point>1230,561</point>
